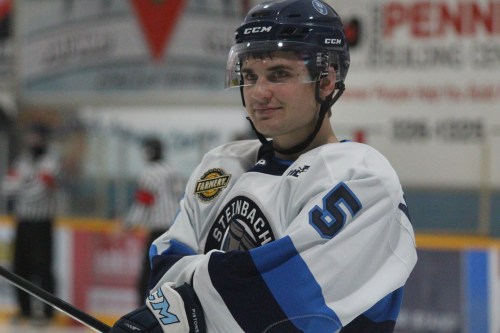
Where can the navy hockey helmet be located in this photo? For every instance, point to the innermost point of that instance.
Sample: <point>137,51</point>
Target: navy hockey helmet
<point>311,28</point>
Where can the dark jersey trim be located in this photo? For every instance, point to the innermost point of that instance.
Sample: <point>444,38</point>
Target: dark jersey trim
<point>268,163</point>
<point>405,210</point>
<point>364,325</point>
<point>245,293</point>
<point>161,263</point>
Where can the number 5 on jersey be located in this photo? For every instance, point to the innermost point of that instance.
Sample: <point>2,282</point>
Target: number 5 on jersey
<point>329,219</point>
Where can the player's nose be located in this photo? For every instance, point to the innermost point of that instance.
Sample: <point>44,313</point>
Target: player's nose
<point>262,90</point>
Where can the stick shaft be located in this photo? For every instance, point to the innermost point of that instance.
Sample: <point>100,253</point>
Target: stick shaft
<point>54,301</point>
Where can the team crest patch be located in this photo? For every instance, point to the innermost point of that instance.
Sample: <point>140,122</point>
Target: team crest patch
<point>211,184</point>
<point>240,225</point>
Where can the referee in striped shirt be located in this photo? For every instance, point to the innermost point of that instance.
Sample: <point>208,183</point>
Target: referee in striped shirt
<point>32,184</point>
<point>155,204</point>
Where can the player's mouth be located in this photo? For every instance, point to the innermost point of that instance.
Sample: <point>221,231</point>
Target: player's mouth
<point>265,111</point>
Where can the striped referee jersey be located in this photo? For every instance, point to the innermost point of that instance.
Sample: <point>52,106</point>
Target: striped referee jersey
<point>33,184</point>
<point>156,200</point>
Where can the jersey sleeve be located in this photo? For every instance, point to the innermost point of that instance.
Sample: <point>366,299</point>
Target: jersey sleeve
<point>11,183</point>
<point>174,255</point>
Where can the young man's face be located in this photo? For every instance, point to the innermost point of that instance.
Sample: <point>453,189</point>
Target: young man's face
<point>279,96</point>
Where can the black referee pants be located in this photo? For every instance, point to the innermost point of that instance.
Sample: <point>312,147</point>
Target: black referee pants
<point>33,257</point>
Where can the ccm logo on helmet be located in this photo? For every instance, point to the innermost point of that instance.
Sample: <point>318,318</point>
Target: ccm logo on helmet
<point>256,30</point>
<point>333,41</point>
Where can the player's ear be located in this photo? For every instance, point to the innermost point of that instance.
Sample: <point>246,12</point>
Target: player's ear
<point>327,84</point>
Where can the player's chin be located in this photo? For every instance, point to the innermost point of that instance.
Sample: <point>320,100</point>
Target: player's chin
<point>268,123</point>
<point>267,128</point>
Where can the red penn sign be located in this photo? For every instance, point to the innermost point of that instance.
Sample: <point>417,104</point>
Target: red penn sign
<point>428,19</point>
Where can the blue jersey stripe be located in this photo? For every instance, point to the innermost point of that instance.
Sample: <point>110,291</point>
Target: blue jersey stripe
<point>294,287</point>
<point>380,318</point>
<point>387,308</point>
<point>251,303</point>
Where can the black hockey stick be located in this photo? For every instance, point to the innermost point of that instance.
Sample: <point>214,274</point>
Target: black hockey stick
<point>55,302</point>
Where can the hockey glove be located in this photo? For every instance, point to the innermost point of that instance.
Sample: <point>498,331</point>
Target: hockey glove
<point>167,310</point>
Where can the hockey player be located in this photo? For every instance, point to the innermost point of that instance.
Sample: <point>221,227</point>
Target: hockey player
<point>297,231</point>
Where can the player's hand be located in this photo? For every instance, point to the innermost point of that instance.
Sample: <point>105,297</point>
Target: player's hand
<point>167,310</point>
<point>138,321</point>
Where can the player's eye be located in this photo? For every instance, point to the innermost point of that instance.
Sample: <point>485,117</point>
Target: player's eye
<point>280,76</point>
<point>249,77</point>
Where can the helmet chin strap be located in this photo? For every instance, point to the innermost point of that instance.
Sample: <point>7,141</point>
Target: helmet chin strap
<point>325,105</point>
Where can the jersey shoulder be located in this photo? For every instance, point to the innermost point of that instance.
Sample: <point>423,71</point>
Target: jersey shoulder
<point>354,155</point>
<point>222,166</point>
<point>242,150</point>
<point>352,160</point>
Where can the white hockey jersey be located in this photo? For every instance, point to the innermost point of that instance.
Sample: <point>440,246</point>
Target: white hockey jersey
<point>320,244</point>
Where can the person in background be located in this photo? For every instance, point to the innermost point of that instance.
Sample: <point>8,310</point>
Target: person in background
<point>32,184</point>
<point>298,231</point>
<point>156,201</point>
